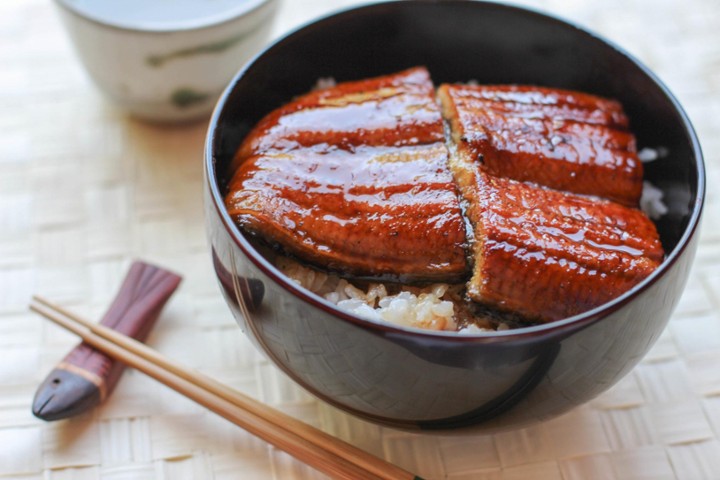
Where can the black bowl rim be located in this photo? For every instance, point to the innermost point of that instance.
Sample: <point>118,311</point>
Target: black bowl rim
<point>554,327</point>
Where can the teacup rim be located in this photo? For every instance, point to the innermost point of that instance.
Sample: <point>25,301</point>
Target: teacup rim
<point>248,8</point>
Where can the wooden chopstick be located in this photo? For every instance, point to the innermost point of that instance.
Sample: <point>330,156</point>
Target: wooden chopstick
<point>313,435</point>
<point>318,449</point>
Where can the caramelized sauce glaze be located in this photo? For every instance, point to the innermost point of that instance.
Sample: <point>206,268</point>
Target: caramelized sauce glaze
<point>363,180</point>
<point>355,179</point>
<point>565,140</point>
<point>548,255</point>
<point>393,110</point>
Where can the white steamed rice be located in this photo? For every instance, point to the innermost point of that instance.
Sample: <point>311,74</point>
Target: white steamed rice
<point>651,200</point>
<point>429,308</point>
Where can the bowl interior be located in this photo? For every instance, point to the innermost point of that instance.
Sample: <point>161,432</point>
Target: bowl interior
<point>460,41</point>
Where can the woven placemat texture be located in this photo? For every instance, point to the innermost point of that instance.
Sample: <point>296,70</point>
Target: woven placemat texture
<point>85,189</point>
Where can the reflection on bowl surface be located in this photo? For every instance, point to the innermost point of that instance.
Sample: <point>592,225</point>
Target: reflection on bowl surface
<point>414,379</point>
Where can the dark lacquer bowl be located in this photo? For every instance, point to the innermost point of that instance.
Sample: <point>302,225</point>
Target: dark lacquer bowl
<point>416,379</point>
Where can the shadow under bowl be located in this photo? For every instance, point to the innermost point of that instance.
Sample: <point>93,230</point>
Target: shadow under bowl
<point>434,380</point>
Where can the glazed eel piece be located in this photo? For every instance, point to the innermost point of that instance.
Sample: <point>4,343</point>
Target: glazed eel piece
<point>355,179</point>
<point>360,179</point>
<point>547,254</point>
<point>518,153</point>
<point>565,140</point>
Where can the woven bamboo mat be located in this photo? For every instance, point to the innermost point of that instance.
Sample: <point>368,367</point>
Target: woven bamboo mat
<point>83,190</point>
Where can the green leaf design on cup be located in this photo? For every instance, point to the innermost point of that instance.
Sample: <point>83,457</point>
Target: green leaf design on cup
<point>187,97</point>
<point>159,60</point>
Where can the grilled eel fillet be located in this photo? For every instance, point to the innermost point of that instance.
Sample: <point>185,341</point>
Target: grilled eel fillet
<point>565,140</point>
<point>358,179</point>
<point>355,178</point>
<point>547,254</point>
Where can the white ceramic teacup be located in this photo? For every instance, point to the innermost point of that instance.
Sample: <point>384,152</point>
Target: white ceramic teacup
<point>166,60</point>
